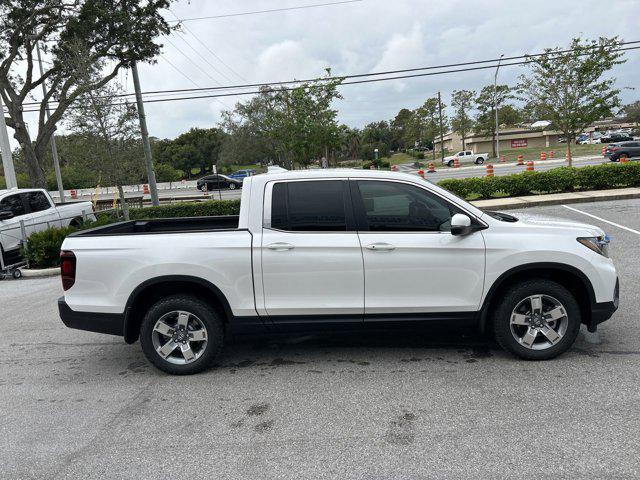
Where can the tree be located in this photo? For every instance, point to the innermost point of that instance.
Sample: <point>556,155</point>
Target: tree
<point>461,123</point>
<point>198,148</point>
<point>100,114</point>
<point>487,101</point>
<point>120,31</point>
<point>569,88</point>
<point>427,121</point>
<point>403,129</point>
<point>631,112</point>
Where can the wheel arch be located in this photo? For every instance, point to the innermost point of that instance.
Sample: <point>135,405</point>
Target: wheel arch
<point>150,291</point>
<point>568,276</point>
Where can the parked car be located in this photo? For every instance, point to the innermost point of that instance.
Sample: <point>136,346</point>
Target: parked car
<point>242,174</point>
<point>36,210</point>
<point>615,137</point>
<point>582,138</point>
<point>616,151</point>
<point>465,156</point>
<point>217,181</point>
<point>336,250</point>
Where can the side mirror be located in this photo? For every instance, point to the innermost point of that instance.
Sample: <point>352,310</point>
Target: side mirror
<point>461,224</point>
<point>6,214</point>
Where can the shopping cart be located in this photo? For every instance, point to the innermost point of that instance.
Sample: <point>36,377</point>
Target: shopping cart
<point>10,263</point>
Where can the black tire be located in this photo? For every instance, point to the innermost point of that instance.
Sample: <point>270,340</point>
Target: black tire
<point>520,291</point>
<point>16,274</point>
<point>232,186</point>
<point>205,314</point>
<point>479,161</point>
<point>75,223</point>
<point>450,163</point>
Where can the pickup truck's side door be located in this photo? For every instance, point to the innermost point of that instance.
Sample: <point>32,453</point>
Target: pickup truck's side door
<point>311,255</point>
<point>10,232</point>
<point>412,262</point>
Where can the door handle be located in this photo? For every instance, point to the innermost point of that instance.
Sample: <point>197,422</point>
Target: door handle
<point>381,247</point>
<point>280,246</point>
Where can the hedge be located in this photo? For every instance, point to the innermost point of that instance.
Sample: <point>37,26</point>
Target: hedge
<point>43,248</point>
<point>562,179</point>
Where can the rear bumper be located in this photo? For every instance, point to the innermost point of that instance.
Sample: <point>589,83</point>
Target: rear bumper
<point>109,323</point>
<point>601,312</point>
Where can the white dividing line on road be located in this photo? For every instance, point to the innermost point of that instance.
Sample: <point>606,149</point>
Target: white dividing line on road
<point>602,220</point>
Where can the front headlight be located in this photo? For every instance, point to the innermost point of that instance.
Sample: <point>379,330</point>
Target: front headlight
<point>597,244</point>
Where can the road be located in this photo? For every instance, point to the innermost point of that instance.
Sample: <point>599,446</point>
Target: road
<point>443,405</point>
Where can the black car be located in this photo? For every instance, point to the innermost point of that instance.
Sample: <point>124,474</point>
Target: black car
<point>619,150</point>
<point>217,182</point>
<point>616,137</point>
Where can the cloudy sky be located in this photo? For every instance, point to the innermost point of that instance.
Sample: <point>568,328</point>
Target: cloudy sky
<point>366,36</point>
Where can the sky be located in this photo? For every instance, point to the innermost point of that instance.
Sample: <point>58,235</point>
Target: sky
<point>362,37</point>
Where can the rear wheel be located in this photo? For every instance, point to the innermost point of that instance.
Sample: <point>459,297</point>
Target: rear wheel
<point>16,274</point>
<point>479,161</point>
<point>537,320</point>
<point>181,335</point>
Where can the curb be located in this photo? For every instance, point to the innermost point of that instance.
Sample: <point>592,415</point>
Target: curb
<point>557,199</point>
<point>39,273</point>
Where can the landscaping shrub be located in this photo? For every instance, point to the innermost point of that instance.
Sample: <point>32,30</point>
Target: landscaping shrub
<point>562,179</point>
<point>44,247</point>
<point>191,209</point>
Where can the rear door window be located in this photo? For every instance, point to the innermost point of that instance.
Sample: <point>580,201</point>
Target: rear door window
<point>309,206</point>
<point>38,201</point>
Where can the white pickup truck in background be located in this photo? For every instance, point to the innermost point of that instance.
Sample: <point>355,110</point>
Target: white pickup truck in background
<point>336,250</point>
<point>36,210</point>
<point>465,156</point>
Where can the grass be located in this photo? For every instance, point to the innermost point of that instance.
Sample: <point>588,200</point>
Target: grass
<point>559,151</point>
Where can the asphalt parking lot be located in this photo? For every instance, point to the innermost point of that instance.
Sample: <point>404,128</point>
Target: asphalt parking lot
<point>443,405</point>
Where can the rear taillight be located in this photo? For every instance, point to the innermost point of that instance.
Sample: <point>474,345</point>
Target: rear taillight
<point>67,269</point>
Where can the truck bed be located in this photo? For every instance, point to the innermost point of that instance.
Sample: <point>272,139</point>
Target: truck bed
<point>164,225</point>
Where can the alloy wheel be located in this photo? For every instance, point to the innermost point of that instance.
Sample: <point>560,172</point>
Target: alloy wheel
<point>539,322</point>
<point>179,337</point>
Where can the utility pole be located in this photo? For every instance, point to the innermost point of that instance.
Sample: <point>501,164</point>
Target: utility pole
<point>495,107</point>
<point>153,189</point>
<point>441,128</point>
<point>54,148</point>
<point>5,150</point>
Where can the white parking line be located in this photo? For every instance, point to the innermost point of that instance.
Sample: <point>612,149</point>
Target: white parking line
<point>603,220</point>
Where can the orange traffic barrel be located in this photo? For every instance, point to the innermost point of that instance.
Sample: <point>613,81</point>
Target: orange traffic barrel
<point>529,166</point>
<point>520,160</point>
<point>432,168</point>
<point>489,170</point>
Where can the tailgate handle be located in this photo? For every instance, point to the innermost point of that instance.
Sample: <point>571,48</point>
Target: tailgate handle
<point>280,246</point>
<point>381,247</point>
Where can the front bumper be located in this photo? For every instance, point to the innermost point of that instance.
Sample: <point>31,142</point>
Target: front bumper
<point>109,323</point>
<point>601,312</point>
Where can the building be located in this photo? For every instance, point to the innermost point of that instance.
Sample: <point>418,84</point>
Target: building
<point>538,135</point>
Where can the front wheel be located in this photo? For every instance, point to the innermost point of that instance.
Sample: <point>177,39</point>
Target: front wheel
<point>450,163</point>
<point>537,320</point>
<point>232,186</point>
<point>181,335</point>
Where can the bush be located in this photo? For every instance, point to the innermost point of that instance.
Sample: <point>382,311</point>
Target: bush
<point>562,179</point>
<point>194,209</point>
<point>166,173</point>
<point>44,247</point>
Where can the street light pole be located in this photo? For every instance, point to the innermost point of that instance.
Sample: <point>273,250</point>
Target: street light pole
<point>5,151</point>
<point>153,189</point>
<point>495,106</point>
<point>54,148</point>
<point>441,128</point>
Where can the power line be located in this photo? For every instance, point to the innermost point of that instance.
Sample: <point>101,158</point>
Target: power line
<point>209,50</point>
<point>492,63</point>
<point>193,62</point>
<point>353,82</point>
<point>255,12</point>
<point>181,37</point>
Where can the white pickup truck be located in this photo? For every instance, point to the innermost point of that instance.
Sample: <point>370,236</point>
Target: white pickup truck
<point>465,156</point>
<point>36,210</point>
<point>332,250</point>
